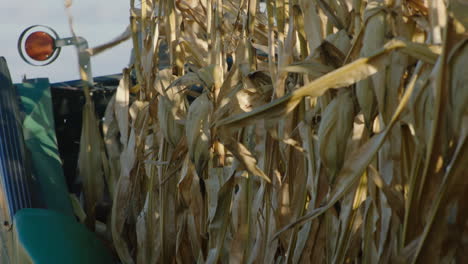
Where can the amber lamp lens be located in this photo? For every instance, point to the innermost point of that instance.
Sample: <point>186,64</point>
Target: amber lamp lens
<point>39,46</point>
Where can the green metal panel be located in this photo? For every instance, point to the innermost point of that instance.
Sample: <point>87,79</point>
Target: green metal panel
<point>49,237</point>
<point>40,139</point>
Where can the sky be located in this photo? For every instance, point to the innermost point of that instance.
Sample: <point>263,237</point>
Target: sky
<point>98,21</point>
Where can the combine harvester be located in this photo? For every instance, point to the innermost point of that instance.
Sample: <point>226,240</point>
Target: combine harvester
<point>40,125</point>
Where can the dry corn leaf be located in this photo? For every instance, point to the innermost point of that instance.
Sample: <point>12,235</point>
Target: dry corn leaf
<point>458,89</point>
<point>111,139</point>
<point>90,163</point>
<point>354,166</point>
<point>315,69</point>
<point>219,223</point>
<point>197,131</point>
<point>246,158</point>
<point>334,132</point>
<point>341,77</point>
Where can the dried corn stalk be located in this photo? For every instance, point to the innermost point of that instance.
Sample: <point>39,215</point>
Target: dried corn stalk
<point>359,157</point>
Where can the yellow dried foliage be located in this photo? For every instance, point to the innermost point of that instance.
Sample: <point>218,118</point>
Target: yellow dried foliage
<point>326,131</point>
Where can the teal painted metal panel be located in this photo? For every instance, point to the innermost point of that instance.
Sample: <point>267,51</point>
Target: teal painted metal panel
<point>40,139</point>
<point>49,237</point>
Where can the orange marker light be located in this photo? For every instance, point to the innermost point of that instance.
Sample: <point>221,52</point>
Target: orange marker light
<point>40,46</point>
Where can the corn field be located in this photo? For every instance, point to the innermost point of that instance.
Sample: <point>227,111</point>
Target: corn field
<point>285,131</point>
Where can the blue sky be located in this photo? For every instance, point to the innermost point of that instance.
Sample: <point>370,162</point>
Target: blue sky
<point>96,20</point>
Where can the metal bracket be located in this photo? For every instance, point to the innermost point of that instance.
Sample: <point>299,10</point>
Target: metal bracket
<point>84,59</point>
